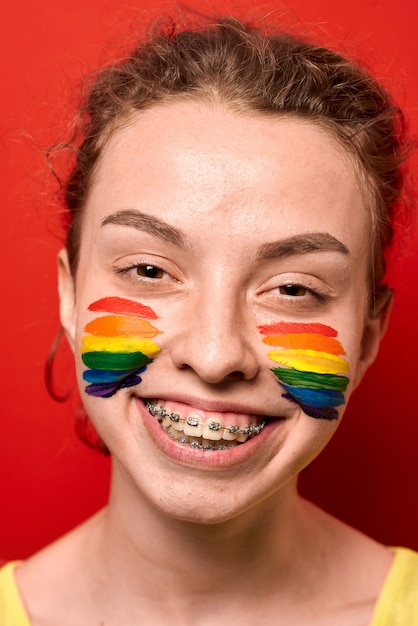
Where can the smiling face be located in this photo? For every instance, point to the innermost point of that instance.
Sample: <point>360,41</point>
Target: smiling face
<point>227,228</point>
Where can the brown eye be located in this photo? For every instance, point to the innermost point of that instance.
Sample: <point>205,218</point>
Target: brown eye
<point>292,290</point>
<point>149,271</point>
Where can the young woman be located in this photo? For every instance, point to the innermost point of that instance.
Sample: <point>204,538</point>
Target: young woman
<point>231,204</point>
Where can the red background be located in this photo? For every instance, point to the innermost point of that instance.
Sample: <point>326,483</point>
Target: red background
<point>49,481</point>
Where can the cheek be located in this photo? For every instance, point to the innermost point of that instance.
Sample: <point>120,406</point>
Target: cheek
<point>117,347</point>
<point>310,366</point>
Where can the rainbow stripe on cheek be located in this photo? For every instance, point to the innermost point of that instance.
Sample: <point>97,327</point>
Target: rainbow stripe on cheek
<point>310,366</point>
<point>118,347</point>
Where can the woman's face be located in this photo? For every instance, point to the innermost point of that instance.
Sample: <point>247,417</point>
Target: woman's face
<point>218,315</point>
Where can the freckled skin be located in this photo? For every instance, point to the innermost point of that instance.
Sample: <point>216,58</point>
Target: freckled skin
<point>232,535</point>
<point>232,184</point>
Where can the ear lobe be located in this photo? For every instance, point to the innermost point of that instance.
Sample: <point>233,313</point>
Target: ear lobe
<point>66,291</point>
<point>374,330</point>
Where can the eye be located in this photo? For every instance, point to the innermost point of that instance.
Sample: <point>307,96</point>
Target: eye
<point>148,271</point>
<point>298,292</point>
<point>142,274</point>
<point>138,271</point>
<point>293,290</point>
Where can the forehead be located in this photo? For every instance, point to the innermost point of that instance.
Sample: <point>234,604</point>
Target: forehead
<point>188,162</point>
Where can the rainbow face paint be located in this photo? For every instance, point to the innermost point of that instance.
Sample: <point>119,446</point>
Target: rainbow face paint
<point>118,347</point>
<point>310,366</point>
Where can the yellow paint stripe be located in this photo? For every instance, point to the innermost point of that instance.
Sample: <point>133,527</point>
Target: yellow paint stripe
<point>310,361</point>
<point>93,343</point>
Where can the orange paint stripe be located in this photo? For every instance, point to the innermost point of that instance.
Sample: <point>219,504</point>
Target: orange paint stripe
<point>121,326</point>
<point>306,341</point>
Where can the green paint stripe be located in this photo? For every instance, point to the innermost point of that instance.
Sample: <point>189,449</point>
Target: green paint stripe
<point>115,360</point>
<point>311,379</point>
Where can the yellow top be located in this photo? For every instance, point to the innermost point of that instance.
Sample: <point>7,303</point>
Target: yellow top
<point>398,601</point>
<point>397,604</point>
<point>12,612</point>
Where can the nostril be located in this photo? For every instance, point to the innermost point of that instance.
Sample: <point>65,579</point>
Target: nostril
<point>215,346</point>
<point>233,376</point>
<point>214,376</point>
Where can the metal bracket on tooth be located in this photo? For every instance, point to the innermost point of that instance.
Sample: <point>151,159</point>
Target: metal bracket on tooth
<point>155,410</point>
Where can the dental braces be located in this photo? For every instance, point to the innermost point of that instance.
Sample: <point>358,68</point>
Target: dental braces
<point>199,446</point>
<point>160,412</point>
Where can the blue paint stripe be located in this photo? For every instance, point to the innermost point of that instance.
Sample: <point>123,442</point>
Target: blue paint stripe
<point>319,398</point>
<point>97,376</point>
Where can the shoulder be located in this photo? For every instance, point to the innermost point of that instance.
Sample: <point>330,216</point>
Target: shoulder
<point>398,601</point>
<point>55,577</point>
<point>12,612</point>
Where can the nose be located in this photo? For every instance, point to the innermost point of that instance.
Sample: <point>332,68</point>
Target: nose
<point>215,340</point>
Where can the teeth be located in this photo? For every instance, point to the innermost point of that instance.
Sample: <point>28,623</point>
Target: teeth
<point>204,436</point>
<point>212,431</point>
<point>179,426</point>
<point>192,427</point>
<point>152,407</point>
<point>229,435</point>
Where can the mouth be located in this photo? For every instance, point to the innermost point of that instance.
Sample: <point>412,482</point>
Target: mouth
<point>205,432</point>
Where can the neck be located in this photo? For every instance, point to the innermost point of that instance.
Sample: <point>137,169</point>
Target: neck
<point>159,550</point>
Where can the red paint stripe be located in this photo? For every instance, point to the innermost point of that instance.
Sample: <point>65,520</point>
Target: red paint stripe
<point>281,328</point>
<point>123,306</point>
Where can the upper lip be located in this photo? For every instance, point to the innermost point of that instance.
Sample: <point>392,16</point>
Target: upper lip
<point>216,406</point>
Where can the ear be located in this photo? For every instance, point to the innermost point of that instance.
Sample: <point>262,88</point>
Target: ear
<point>374,330</point>
<point>66,290</point>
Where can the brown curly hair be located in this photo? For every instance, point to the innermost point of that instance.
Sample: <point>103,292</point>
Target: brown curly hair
<point>249,70</point>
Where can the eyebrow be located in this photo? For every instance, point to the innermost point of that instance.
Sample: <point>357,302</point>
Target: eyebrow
<point>304,243</point>
<point>148,224</point>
